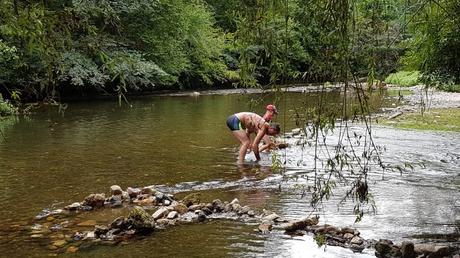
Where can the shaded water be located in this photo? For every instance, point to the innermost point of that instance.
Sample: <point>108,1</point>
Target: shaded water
<point>182,143</point>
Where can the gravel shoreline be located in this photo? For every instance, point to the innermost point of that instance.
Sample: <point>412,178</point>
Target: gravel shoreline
<point>431,98</point>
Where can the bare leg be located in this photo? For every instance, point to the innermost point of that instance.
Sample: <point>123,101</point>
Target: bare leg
<point>245,143</point>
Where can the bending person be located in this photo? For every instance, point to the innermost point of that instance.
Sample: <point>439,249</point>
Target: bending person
<point>244,124</point>
<point>270,112</point>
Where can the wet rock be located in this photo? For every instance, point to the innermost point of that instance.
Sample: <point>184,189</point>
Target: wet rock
<point>348,236</point>
<point>191,199</point>
<point>348,230</point>
<point>383,248</point>
<point>271,217</point>
<point>117,223</point>
<point>72,207</point>
<point>87,223</point>
<point>150,190</point>
<point>244,210</point>
<point>36,226</point>
<point>206,211</point>
<point>195,207</point>
<point>133,192</point>
<point>56,227</point>
<point>140,220</point>
<point>165,222</point>
<point>357,248</point>
<point>100,230</point>
<point>125,196</point>
<point>188,217</point>
<point>149,201</point>
<point>180,208</point>
<point>114,201</point>
<point>52,247</point>
<point>95,200</point>
<point>301,224</point>
<point>228,207</point>
<point>217,205</point>
<point>116,190</point>
<point>43,214</point>
<point>251,213</point>
<point>172,215</point>
<point>59,243</point>
<point>72,249</point>
<point>356,240</point>
<point>407,250</point>
<point>90,235</point>
<point>78,236</point>
<point>236,207</point>
<point>326,229</point>
<point>386,248</point>
<point>265,227</point>
<point>160,196</point>
<point>86,208</point>
<point>432,250</point>
<point>160,213</point>
<point>201,216</point>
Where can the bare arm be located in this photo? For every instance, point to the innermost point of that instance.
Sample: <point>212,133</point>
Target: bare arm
<point>255,144</point>
<point>267,143</point>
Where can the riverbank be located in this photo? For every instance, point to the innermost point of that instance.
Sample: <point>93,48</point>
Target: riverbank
<point>425,110</point>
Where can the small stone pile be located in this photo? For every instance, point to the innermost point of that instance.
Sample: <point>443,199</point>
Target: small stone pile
<point>386,249</point>
<point>167,211</point>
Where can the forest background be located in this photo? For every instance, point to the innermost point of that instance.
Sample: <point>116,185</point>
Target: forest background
<point>56,49</point>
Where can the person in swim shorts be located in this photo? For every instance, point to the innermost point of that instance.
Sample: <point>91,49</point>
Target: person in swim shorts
<point>244,124</point>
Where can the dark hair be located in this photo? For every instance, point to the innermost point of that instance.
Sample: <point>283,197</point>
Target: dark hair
<point>276,127</point>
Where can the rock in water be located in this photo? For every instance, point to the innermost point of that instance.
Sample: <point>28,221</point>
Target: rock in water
<point>301,224</point>
<point>407,250</point>
<point>265,227</point>
<point>95,200</point>
<point>116,190</point>
<point>191,199</point>
<point>140,220</point>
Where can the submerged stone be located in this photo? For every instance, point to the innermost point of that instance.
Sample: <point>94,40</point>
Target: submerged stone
<point>87,223</point>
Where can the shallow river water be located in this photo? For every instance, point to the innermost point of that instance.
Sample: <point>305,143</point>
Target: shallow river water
<point>181,144</point>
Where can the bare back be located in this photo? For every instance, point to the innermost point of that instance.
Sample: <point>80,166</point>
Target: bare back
<point>251,121</point>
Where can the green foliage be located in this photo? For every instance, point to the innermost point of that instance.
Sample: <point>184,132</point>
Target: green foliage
<point>404,78</point>
<point>80,71</point>
<point>434,47</point>
<point>49,46</point>
<point>6,108</point>
<point>134,44</point>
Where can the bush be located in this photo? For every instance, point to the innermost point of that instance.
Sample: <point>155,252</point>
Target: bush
<point>6,108</point>
<point>404,78</point>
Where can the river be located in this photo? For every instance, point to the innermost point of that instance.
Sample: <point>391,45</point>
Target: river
<point>181,144</point>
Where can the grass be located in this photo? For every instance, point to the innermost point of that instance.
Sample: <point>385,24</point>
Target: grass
<point>445,119</point>
<point>403,78</point>
<point>450,87</point>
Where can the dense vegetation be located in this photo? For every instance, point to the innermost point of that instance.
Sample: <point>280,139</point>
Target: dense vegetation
<point>52,48</point>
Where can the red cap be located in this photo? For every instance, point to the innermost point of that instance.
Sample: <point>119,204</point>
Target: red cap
<point>272,108</point>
